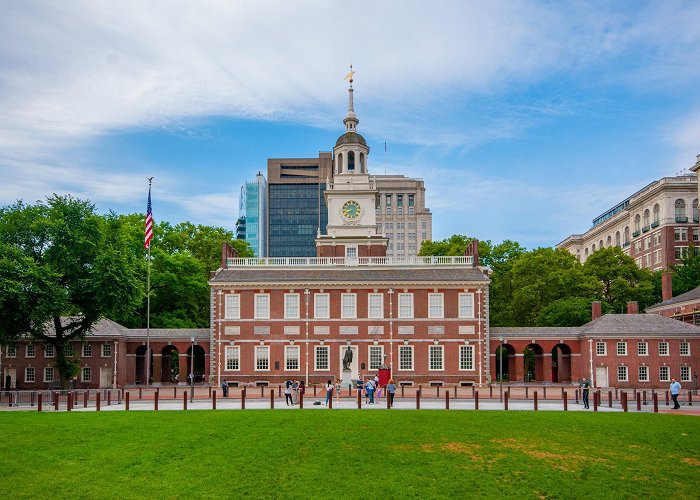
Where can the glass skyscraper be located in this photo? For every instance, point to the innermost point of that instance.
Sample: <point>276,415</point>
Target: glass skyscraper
<point>251,225</point>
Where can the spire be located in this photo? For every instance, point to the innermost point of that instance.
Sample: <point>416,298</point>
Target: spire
<point>350,120</point>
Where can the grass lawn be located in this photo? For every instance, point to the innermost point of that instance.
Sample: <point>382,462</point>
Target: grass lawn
<point>348,454</point>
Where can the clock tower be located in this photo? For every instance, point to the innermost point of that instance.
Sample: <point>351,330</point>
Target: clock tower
<point>351,197</point>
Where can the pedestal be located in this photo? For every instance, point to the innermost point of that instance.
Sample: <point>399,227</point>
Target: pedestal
<point>346,378</point>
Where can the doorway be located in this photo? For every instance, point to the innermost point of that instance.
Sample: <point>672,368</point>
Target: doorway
<point>601,376</point>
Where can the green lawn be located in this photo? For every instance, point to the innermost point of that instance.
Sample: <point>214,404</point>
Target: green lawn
<point>348,454</point>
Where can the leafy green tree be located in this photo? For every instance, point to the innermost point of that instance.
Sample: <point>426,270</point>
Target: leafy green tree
<point>686,275</point>
<point>62,268</point>
<point>572,311</point>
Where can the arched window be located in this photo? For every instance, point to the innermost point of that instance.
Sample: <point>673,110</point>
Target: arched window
<point>637,220</point>
<point>680,210</point>
<point>656,214</point>
<point>585,252</point>
<point>617,239</point>
<point>646,218</point>
<point>363,167</point>
<point>339,164</point>
<point>600,245</point>
<point>695,210</point>
<point>627,235</point>
<point>593,247</point>
<point>351,161</point>
<point>609,243</point>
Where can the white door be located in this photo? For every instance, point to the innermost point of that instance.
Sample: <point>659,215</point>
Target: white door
<point>105,377</point>
<point>601,376</point>
<point>12,373</point>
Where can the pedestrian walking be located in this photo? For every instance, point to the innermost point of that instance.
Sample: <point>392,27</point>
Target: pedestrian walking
<point>224,388</point>
<point>337,389</point>
<point>675,390</point>
<point>585,387</point>
<point>329,391</point>
<point>369,388</point>
<point>391,389</point>
<point>288,393</point>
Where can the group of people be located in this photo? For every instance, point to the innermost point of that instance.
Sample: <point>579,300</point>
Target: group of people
<point>293,389</point>
<point>675,389</point>
<point>372,390</point>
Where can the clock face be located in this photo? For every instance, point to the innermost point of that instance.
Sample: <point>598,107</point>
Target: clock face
<point>351,210</point>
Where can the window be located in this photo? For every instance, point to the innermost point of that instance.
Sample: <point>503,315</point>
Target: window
<point>388,204</point>
<point>291,306</point>
<point>262,358</point>
<point>646,217</point>
<point>11,351</point>
<point>29,374</point>
<point>636,224</point>
<point>87,350</point>
<point>664,374</point>
<point>351,251</point>
<point>48,374</point>
<point>643,373</point>
<point>435,305</point>
<point>406,357</point>
<point>405,305</point>
<point>375,307</point>
<point>49,351</point>
<point>232,357</point>
<point>601,349</point>
<point>622,374</point>
<point>695,210</point>
<point>85,374</point>
<point>680,209</point>
<point>411,203</point>
<point>106,350</point>
<point>321,306</point>
<point>656,214</point>
<point>349,303</point>
<point>466,305</point>
<point>696,234</point>
<point>657,256</point>
<point>435,355</point>
<point>622,348</point>
<point>291,357</point>
<point>657,238</point>
<point>642,349</point>
<point>399,200</point>
<point>647,243</point>
<point>685,374</point>
<point>376,356</point>
<point>321,361</point>
<point>663,348</point>
<point>680,252</point>
<point>685,348</point>
<point>30,351</point>
<point>466,357</point>
<point>68,351</point>
<point>262,306</point>
<point>680,234</point>
<point>233,306</point>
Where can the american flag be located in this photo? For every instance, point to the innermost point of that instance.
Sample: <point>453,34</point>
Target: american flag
<point>149,222</point>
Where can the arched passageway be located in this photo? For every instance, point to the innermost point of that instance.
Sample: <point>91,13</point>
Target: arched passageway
<point>140,375</point>
<point>170,366</point>
<point>533,363</point>
<point>197,365</point>
<point>505,362</point>
<point>561,363</point>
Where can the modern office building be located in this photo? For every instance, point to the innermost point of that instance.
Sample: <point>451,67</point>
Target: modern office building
<point>297,206</point>
<point>251,225</point>
<point>655,225</point>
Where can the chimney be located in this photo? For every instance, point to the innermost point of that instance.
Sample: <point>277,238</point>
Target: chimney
<point>666,286</point>
<point>596,310</point>
<point>632,307</point>
<point>473,250</point>
<point>227,252</point>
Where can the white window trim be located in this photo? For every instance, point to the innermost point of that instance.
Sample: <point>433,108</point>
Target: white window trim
<point>463,297</point>
<point>82,374</point>
<point>53,352</point>
<point>289,297</point>
<point>627,374</point>
<point>11,352</point>
<point>266,312</point>
<point>370,348</point>
<point>605,348</point>
<point>26,351</point>
<point>84,348</point>
<point>232,303</point>
<point>343,296</point>
<point>102,351</point>
<point>237,350</point>
<point>53,374</point>
<point>317,348</point>
<point>646,348</point>
<point>688,371</point>
<point>255,360</point>
<point>26,375</point>
<point>639,368</point>
<point>327,315</point>
<point>680,351</point>
<point>667,378</point>
<point>617,348</point>
<point>380,297</point>
<point>404,316</point>
<point>413,359</point>
<point>287,357</point>
<point>441,313</point>
<point>668,349</point>
<point>468,348</point>
<point>442,358</point>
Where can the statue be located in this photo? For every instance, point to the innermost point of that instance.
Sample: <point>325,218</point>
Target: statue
<point>347,359</point>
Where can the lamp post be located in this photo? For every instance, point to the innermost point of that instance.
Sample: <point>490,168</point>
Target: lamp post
<point>306,356</point>
<point>391,332</point>
<point>500,376</point>
<point>192,369</point>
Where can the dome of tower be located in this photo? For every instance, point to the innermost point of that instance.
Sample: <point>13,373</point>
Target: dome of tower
<point>350,138</point>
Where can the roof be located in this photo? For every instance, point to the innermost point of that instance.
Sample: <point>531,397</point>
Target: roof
<point>637,324</point>
<point>353,274</point>
<point>350,138</point>
<point>169,333</point>
<point>534,331</point>
<point>692,295</point>
<point>102,328</point>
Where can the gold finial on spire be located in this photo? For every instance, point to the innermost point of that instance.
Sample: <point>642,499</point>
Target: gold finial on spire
<point>349,76</point>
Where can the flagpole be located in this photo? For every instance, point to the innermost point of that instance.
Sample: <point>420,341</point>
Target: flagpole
<point>148,286</point>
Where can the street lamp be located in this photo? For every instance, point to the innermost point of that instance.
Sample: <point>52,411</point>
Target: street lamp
<point>192,369</point>
<point>500,362</point>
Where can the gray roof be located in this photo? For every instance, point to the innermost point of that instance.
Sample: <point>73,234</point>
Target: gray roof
<point>344,275</point>
<point>102,328</point>
<point>350,138</point>
<point>637,324</point>
<point>169,333</point>
<point>535,331</point>
<point>693,294</point>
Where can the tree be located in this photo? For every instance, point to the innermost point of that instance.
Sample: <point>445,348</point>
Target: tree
<point>63,267</point>
<point>572,311</point>
<point>686,275</point>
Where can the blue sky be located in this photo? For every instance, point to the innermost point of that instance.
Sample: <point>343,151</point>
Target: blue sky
<point>525,119</point>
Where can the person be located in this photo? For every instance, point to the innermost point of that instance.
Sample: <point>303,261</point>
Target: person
<point>224,388</point>
<point>329,391</point>
<point>369,387</point>
<point>585,387</point>
<point>288,393</point>
<point>675,390</point>
<point>337,389</point>
<point>695,382</point>
<point>377,393</point>
<point>191,377</point>
<point>295,391</point>
<point>359,384</point>
<point>391,390</point>
<point>302,389</point>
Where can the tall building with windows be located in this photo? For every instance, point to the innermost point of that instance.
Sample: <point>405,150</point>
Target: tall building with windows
<point>251,225</point>
<point>655,226</point>
<point>297,205</point>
